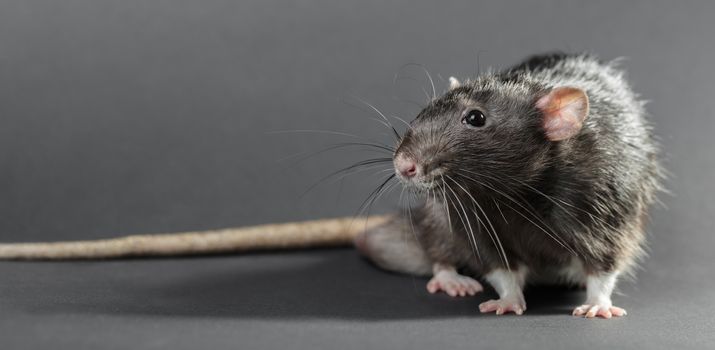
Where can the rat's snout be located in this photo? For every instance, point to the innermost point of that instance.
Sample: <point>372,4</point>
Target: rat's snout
<point>417,164</point>
<point>406,166</point>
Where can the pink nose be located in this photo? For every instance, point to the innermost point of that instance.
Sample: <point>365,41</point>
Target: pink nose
<point>406,167</point>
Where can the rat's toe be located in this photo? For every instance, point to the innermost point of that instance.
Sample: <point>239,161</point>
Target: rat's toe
<point>617,311</point>
<point>432,286</point>
<point>597,310</point>
<point>502,306</point>
<point>453,284</point>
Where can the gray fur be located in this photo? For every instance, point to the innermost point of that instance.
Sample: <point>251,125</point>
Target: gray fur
<point>590,192</point>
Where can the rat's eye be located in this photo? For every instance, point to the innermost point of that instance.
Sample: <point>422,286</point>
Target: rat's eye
<point>474,118</point>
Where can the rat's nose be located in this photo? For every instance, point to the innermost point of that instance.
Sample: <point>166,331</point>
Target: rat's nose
<point>406,167</point>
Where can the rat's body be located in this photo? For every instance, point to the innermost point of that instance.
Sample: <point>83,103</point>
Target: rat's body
<point>543,172</point>
<point>563,202</point>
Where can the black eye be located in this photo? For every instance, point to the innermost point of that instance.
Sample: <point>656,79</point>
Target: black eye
<point>475,118</point>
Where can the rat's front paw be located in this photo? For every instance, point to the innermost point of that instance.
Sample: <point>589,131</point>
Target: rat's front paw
<point>504,305</point>
<point>598,310</point>
<point>453,284</point>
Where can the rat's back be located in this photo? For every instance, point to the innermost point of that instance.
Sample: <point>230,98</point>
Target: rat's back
<point>615,152</point>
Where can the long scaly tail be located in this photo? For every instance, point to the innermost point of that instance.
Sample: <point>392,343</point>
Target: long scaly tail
<point>293,235</point>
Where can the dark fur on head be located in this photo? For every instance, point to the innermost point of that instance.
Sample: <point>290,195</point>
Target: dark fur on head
<point>508,194</point>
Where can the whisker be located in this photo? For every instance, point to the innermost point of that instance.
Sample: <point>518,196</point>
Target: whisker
<point>387,121</point>
<point>497,244</point>
<point>373,147</point>
<point>398,78</point>
<point>402,120</point>
<point>552,235</point>
<point>371,197</point>
<point>532,211</point>
<point>411,218</point>
<point>356,171</point>
<point>500,212</point>
<point>315,131</point>
<point>555,201</point>
<point>446,209</point>
<point>470,231</point>
<point>429,77</point>
<point>348,168</point>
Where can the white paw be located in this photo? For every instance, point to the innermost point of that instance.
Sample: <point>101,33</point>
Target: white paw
<point>504,305</point>
<point>598,310</point>
<point>453,284</point>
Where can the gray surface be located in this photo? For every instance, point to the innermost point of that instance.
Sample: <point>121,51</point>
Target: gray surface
<point>137,117</point>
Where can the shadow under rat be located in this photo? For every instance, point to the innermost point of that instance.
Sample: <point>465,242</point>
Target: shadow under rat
<point>338,284</point>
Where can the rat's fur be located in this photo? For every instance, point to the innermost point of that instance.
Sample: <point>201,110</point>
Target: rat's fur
<point>505,196</point>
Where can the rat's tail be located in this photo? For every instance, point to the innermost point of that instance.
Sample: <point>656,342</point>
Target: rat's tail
<point>316,233</point>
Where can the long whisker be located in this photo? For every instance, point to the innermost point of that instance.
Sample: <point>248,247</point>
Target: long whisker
<point>402,120</point>
<point>446,208</point>
<point>513,192</point>
<point>372,196</point>
<point>406,211</point>
<point>553,235</point>
<point>475,249</point>
<point>346,169</point>
<point>398,78</point>
<point>556,201</point>
<point>480,222</point>
<point>497,244</point>
<point>543,230</point>
<point>373,147</point>
<point>470,231</point>
<point>315,131</point>
<point>500,212</point>
<point>361,170</point>
<point>389,125</point>
<point>532,211</point>
<point>381,193</point>
<point>429,76</point>
<point>411,218</point>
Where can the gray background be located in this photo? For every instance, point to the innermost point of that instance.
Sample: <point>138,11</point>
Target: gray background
<point>153,116</point>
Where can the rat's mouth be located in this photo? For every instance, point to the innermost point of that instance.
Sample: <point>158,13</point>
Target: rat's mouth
<point>421,182</point>
<point>416,178</point>
<point>418,173</point>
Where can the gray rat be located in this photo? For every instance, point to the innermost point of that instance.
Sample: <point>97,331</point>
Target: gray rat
<point>543,172</point>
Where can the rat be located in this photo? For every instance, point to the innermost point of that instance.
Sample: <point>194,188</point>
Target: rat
<point>541,173</point>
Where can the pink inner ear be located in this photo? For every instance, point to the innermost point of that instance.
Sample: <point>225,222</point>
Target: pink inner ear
<point>564,110</point>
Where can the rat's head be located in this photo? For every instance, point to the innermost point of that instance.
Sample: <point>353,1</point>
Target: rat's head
<point>490,130</point>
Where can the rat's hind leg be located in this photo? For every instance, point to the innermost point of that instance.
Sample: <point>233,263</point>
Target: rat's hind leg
<point>447,279</point>
<point>394,247</point>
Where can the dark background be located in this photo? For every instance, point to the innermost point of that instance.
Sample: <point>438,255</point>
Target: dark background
<point>155,116</point>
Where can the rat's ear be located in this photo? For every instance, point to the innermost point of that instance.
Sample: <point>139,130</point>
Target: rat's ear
<point>563,111</point>
<point>454,83</point>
